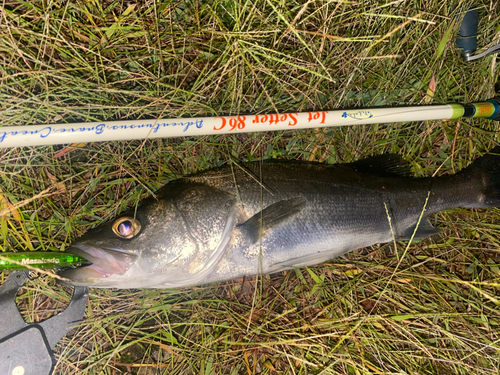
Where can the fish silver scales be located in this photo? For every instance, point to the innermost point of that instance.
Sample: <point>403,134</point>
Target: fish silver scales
<point>243,220</point>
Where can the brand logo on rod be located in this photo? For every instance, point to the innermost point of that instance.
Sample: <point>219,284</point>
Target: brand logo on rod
<point>358,115</point>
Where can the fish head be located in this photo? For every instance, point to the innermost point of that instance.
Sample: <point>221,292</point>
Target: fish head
<point>168,242</point>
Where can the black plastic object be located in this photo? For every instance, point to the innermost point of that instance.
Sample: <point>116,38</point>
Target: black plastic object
<point>26,349</point>
<point>467,35</point>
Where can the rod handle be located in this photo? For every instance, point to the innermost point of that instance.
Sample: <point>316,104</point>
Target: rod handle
<point>489,109</point>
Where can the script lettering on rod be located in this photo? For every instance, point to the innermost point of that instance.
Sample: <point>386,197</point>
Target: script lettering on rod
<point>276,118</point>
<point>317,115</point>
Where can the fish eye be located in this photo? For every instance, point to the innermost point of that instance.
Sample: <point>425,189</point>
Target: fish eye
<point>126,227</point>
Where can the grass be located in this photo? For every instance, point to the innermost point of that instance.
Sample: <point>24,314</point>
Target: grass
<point>433,309</point>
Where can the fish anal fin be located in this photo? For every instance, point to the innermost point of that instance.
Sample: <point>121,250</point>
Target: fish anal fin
<point>424,230</point>
<point>271,217</point>
<point>383,165</point>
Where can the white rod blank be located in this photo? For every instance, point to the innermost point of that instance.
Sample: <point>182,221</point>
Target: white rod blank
<point>38,135</point>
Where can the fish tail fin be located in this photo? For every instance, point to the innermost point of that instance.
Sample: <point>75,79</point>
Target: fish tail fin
<point>481,180</point>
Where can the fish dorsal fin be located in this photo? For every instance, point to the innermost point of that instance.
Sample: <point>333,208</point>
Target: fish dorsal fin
<point>270,217</point>
<point>424,230</point>
<point>384,165</point>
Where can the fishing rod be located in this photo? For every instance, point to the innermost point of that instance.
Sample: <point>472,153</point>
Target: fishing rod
<point>39,135</point>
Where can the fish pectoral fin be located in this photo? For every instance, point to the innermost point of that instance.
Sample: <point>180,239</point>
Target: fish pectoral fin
<point>271,217</point>
<point>424,230</point>
<point>383,165</point>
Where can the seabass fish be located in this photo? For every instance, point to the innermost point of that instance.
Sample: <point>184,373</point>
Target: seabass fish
<point>259,218</point>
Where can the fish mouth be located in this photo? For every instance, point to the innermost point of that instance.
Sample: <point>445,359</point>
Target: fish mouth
<point>106,262</point>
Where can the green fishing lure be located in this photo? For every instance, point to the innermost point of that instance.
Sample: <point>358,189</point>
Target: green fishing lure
<point>44,260</point>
